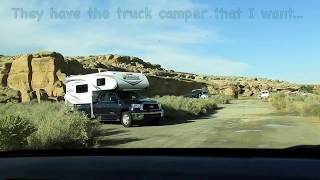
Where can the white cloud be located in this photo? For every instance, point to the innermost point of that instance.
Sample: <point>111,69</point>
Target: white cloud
<point>159,41</point>
<point>199,64</point>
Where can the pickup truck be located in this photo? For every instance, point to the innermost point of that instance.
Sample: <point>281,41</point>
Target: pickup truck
<point>124,106</point>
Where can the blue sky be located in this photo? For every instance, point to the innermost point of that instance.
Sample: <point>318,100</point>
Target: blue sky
<point>276,48</point>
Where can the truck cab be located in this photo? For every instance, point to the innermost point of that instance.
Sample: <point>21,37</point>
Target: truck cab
<point>126,107</point>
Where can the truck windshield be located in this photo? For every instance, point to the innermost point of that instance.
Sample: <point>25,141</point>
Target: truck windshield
<point>127,95</point>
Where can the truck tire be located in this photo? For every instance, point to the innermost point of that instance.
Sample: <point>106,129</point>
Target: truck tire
<point>126,119</point>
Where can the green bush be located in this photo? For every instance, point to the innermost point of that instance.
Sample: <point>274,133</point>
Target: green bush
<point>14,131</point>
<point>178,106</point>
<point>57,126</point>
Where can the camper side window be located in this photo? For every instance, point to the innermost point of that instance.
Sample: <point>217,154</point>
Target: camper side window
<point>101,82</point>
<point>82,88</point>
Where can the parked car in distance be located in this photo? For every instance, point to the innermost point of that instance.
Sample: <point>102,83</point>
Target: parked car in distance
<point>200,93</point>
<point>264,95</point>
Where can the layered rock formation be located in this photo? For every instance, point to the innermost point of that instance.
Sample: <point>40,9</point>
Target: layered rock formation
<point>42,75</point>
<point>35,74</point>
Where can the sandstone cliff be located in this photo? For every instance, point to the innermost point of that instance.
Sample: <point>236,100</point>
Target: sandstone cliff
<point>37,75</point>
<point>42,75</point>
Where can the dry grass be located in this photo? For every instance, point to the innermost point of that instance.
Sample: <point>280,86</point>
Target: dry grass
<point>301,105</point>
<point>178,106</point>
<point>56,126</point>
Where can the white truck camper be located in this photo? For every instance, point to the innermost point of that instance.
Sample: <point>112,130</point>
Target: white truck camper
<point>112,96</point>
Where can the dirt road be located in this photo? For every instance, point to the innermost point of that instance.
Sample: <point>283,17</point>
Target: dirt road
<point>244,124</point>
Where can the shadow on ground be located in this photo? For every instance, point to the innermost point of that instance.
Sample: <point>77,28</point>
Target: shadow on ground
<point>116,142</point>
<point>166,122</point>
<point>188,119</point>
<point>105,140</point>
<point>110,132</point>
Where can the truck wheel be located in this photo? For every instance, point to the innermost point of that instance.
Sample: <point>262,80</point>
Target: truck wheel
<point>126,119</point>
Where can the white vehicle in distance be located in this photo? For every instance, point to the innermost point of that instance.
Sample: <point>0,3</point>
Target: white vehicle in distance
<point>200,93</point>
<point>264,95</point>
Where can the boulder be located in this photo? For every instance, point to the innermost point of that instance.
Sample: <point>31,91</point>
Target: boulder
<point>40,72</point>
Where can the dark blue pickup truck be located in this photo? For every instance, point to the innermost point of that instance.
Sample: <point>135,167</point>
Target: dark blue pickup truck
<point>124,106</point>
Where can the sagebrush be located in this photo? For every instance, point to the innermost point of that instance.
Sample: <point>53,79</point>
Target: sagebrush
<point>14,131</point>
<point>178,106</point>
<point>301,105</point>
<point>56,125</point>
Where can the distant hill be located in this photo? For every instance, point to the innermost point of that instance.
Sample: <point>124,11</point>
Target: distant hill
<point>42,75</point>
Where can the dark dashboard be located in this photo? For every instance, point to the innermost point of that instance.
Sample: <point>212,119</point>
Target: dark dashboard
<point>161,164</point>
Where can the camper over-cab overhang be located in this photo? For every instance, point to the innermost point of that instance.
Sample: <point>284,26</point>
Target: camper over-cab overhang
<point>80,88</point>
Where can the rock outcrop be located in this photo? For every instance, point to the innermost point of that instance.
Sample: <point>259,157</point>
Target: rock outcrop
<point>33,73</point>
<point>230,90</point>
<point>20,76</point>
<point>42,76</point>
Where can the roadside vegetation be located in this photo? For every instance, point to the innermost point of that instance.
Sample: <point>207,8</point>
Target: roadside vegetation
<point>301,105</point>
<point>182,107</point>
<point>44,126</point>
<point>52,125</point>
<point>8,95</point>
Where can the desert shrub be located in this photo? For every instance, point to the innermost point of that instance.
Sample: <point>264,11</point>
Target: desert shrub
<point>14,131</point>
<point>57,126</point>
<point>178,106</point>
<point>8,95</point>
<point>301,105</point>
<point>221,99</point>
<point>67,130</point>
<point>316,91</point>
<point>279,101</point>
